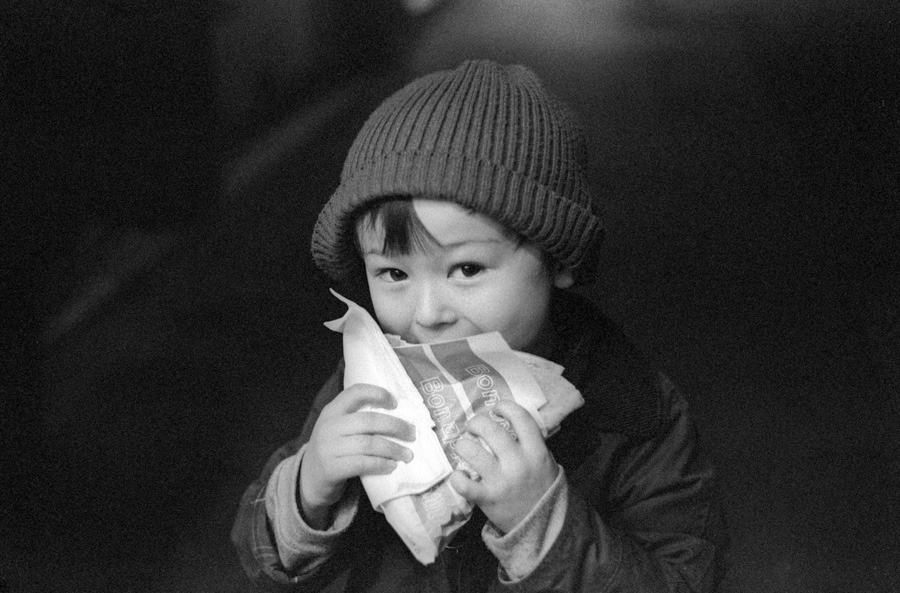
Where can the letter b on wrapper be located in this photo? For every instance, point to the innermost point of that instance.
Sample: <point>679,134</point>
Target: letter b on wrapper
<point>430,386</point>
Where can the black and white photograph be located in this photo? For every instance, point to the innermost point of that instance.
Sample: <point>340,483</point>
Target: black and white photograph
<point>450,296</point>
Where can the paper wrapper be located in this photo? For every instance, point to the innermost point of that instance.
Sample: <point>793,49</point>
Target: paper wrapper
<point>438,387</point>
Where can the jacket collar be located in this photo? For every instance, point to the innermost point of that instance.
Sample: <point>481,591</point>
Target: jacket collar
<point>620,387</point>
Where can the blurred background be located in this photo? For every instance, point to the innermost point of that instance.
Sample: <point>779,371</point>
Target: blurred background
<point>163,165</point>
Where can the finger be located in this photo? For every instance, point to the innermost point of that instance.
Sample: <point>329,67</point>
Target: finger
<point>366,465</point>
<point>526,429</point>
<point>362,394</point>
<point>373,446</point>
<point>473,452</point>
<point>378,424</point>
<point>496,437</point>
<point>472,490</point>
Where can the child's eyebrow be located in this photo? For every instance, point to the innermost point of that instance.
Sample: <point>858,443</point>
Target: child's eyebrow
<point>373,251</point>
<point>462,242</point>
<point>452,245</point>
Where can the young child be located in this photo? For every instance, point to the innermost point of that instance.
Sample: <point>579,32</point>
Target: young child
<point>463,203</point>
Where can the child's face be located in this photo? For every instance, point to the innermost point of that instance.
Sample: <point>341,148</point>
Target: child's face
<point>475,279</point>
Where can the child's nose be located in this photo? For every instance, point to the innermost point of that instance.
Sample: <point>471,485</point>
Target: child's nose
<point>433,307</point>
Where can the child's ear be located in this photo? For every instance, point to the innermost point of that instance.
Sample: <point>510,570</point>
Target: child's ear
<point>563,277</point>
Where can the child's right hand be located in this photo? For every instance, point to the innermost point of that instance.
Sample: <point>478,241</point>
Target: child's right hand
<point>346,443</point>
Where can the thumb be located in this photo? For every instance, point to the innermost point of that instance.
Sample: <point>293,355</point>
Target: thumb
<point>465,486</point>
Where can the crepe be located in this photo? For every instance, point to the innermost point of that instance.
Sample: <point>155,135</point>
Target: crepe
<point>438,387</point>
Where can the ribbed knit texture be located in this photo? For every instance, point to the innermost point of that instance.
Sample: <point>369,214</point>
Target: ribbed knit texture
<point>486,136</point>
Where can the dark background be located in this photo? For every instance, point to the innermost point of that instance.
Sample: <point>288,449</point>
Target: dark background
<point>162,166</point>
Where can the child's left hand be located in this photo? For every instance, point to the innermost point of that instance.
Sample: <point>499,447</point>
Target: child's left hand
<point>516,476</point>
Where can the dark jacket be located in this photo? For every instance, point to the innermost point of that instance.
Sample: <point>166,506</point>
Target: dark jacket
<point>643,513</point>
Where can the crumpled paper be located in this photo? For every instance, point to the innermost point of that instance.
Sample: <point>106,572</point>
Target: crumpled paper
<point>438,387</point>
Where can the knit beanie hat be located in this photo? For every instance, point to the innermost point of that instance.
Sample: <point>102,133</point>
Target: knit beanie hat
<point>486,136</point>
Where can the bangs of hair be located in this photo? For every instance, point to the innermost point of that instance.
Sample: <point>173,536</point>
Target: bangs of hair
<point>403,230</point>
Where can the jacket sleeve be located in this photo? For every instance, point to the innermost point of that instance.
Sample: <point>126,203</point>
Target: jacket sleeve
<point>252,532</point>
<point>640,517</point>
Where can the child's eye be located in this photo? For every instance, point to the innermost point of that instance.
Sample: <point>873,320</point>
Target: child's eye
<point>393,274</point>
<point>468,270</point>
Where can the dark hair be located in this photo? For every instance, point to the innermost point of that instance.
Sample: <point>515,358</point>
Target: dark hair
<point>404,231</point>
